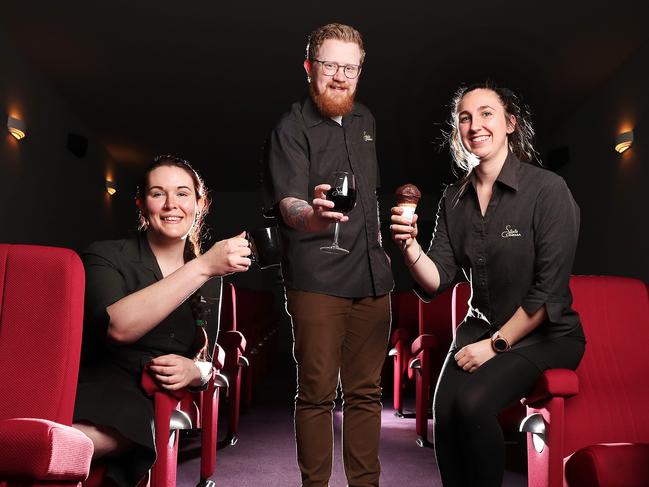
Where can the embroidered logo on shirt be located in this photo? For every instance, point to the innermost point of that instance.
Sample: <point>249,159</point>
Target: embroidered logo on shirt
<point>510,232</point>
<point>367,137</point>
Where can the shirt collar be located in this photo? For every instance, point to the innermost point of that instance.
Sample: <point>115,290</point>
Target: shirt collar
<point>509,172</point>
<point>312,116</point>
<point>147,258</point>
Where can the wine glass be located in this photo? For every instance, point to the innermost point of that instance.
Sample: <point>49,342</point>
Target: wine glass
<point>343,194</point>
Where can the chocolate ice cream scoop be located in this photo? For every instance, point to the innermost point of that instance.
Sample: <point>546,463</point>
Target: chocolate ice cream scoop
<point>408,194</point>
<point>407,198</point>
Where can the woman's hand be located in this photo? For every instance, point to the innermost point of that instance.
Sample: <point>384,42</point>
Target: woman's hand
<point>404,234</point>
<point>173,372</point>
<point>472,356</point>
<point>228,256</point>
<point>403,231</point>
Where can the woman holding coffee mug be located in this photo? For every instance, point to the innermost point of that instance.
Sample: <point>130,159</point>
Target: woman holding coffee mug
<point>511,228</point>
<point>145,308</point>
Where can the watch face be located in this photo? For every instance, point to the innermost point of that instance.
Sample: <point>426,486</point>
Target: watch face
<point>500,344</point>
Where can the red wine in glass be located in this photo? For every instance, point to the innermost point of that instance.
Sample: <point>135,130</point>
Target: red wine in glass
<point>343,194</point>
<point>344,202</point>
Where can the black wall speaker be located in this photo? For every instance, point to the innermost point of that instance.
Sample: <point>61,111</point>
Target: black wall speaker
<point>77,144</point>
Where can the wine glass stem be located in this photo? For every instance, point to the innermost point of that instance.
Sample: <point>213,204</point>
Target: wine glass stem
<point>336,228</point>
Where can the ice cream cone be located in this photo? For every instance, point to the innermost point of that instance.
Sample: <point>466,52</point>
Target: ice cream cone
<point>407,198</point>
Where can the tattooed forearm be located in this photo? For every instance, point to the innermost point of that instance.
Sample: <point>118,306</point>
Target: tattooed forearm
<point>296,213</point>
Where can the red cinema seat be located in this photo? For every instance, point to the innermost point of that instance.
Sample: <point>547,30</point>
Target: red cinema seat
<point>234,344</point>
<point>429,350</point>
<point>185,409</point>
<point>589,427</point>
<point>41,323</point>
<point>405,327</point>
<point>180,410</point>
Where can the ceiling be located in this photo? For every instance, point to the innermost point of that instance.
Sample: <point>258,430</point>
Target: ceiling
<point>208,80</point>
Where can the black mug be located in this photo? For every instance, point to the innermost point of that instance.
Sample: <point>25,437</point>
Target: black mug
<point>265,246</point>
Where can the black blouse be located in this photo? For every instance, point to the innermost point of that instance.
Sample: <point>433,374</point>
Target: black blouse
<point>519,254</point>
<point>117,268</point>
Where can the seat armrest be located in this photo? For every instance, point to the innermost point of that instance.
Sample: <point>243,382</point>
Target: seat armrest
<point>232,340</point>
<point>43,450</point>
<point>150,386</point>
<point>426,341</point>
<point>553,383</point>
<point>399,335</point>
<point>218,360</point>
<point>609,464</point>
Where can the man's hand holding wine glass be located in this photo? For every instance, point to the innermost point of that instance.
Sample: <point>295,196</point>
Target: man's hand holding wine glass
<point>315,217</point>
<point>341,195</point>
<point>322,207</point>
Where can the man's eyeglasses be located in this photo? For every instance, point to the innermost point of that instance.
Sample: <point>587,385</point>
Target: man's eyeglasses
<point>329,68</point>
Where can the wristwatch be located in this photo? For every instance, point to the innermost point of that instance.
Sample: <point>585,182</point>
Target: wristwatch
<point>499,343</point>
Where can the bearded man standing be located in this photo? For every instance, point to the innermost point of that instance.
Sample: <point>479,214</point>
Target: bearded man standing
<point>339,304</point>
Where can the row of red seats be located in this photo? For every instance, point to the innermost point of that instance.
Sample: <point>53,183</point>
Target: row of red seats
<point>41,323</point>
<point>258,320</point>
<point>421,336</point>
<point>250,325</point>
<point>584,428</point>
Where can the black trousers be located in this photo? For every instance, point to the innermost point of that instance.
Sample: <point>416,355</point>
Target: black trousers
<point>469,443</point>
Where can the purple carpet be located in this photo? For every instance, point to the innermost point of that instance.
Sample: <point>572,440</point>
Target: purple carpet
<point>265,453</point>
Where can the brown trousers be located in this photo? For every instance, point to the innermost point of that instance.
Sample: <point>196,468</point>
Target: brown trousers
<point>338,338</point>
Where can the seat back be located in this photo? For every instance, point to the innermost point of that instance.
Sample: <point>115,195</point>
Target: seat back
<point>613,398</point>
<point>435,318</point>
<point>405,311</point>
<point>41,322</point>
<point>228,308</point>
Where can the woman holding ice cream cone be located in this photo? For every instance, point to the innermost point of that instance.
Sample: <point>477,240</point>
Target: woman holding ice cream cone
<point>510,228</point>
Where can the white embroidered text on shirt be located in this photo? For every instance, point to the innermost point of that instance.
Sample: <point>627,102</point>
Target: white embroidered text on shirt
<point>510,232</point>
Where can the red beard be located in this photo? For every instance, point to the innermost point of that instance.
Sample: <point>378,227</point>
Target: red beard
<point>330,106</point>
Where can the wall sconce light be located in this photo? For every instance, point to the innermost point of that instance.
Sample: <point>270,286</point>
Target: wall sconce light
<point>624,141</point>
<point>17,128</point>
<point>111,189</point>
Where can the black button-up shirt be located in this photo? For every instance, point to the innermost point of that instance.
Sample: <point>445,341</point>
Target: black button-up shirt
<point>305,149</point>
<point>519,254</point>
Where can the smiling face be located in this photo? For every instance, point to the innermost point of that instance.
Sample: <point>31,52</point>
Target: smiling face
<point>170,203</point>
<point>484,125</point>
<point>334,94</point>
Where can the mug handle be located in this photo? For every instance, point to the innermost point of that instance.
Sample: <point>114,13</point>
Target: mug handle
<point>253,248</point>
